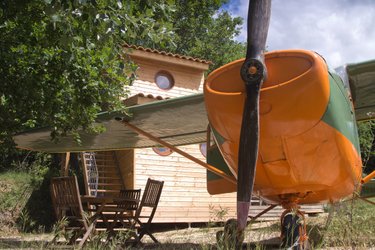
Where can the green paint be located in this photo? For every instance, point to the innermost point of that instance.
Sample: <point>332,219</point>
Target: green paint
<point>219,138</point>
<point>215,159</point>
<point>340,113</point>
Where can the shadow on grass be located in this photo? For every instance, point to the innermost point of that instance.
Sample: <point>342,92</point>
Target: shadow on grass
<point>17,243</point>
<point>272,243</point>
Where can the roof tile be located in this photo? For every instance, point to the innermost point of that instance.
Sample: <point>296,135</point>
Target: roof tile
<point>167,53</point>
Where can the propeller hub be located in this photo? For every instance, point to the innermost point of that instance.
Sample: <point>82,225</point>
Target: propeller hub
<point>253,71</point>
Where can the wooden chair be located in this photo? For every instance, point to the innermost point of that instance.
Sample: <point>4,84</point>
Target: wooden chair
<point>146,210</point>
<point>132,196</point>
<point>139,223</point>
<point>126,205</point>
<point>67,204</point>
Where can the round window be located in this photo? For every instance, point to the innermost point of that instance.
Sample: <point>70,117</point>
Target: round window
<point>164,80</point>
<point>163,151</point>
<point>203,149</point>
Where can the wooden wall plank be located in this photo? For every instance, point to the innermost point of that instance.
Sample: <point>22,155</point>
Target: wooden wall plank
<point>185,197</point>
<point>125,160</point>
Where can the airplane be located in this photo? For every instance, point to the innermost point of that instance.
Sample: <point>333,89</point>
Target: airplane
<point>280,125</point>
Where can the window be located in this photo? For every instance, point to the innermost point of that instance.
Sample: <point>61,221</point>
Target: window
<point>164,80</point>
<point>203,149</point>
<point>163,151</point>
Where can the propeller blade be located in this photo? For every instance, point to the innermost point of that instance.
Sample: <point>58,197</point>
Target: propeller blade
<point>253,73</point>
<point>258,19</point>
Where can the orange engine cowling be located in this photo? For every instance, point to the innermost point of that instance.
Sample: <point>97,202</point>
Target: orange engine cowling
<point>296,147</point>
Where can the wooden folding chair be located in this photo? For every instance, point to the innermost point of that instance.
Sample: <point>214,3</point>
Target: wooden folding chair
<point>139,223</point>
<point>130,201</point>
<point>127,204</point>
<point>147,208</point>
<point>67,204</point>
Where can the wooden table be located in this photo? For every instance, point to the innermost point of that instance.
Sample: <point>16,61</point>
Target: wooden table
<point>101,202</point>
<point>97,200</point>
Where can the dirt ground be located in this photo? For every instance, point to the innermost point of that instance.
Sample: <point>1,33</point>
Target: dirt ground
<point>205,238</point>
<point>261,234</point>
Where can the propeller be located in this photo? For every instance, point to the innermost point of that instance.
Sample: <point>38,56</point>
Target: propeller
<point>253,73</point>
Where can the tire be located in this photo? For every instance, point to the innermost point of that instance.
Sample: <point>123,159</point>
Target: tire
<point>290,229</point>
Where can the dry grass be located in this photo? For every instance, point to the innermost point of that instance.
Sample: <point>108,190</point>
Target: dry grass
<point>351,227</point>
<point>263,235</point>
<point>190,238</point>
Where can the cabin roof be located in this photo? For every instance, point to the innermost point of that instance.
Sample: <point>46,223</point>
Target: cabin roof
<point>140,48</point>
<point>142,98</point>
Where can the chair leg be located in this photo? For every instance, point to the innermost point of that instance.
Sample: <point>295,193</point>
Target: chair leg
<point>140,235</point>
<point>151,236</point>
<point>145,229</point>
<point>86,235</point>
<point>111,226</point>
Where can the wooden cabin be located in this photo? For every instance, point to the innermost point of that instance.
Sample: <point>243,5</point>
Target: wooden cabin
<point>184,198</point>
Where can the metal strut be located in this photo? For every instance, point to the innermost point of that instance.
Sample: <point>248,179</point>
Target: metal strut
<point>253,218</point>
<point>190,157</point>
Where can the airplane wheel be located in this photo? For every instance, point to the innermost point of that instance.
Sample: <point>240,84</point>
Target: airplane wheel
<point>291,231</point>
<point>229,238</point>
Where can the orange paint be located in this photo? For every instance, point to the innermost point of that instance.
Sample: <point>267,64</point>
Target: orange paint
<point>298,153</point>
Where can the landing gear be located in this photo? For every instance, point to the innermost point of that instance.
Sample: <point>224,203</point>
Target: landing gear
<point>293,230</point>
<point>230,238</point>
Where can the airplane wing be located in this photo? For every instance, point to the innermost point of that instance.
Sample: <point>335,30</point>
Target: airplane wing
<point>362,84</point>
<point>178,121</point>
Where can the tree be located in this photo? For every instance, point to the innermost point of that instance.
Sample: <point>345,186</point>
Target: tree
<point>366,131</point>
<point>219,45</point>
<point>61,61</point>
<point>204,31</point>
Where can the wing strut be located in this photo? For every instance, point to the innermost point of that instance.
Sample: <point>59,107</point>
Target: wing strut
<point>368,177</point>
<point>190,157</point>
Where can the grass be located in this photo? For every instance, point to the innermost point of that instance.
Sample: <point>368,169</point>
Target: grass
<point>15,190</point>
<point>25,204</point>
<point>352,224</point>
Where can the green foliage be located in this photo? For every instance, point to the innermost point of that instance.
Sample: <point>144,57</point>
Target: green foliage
<point>219,45</point>
<point>204,32</point>
<point>25,201</point>
<point>58,230</point>
<point>61,61</point>
<point>367,142</point>
<point>25,223</point>
<point>217,214</point>
<point>14,189</point>
<point>352,226</point>
<point>98,240</point>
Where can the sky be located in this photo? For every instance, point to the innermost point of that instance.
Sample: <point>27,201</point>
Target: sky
<point>342,31</point>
